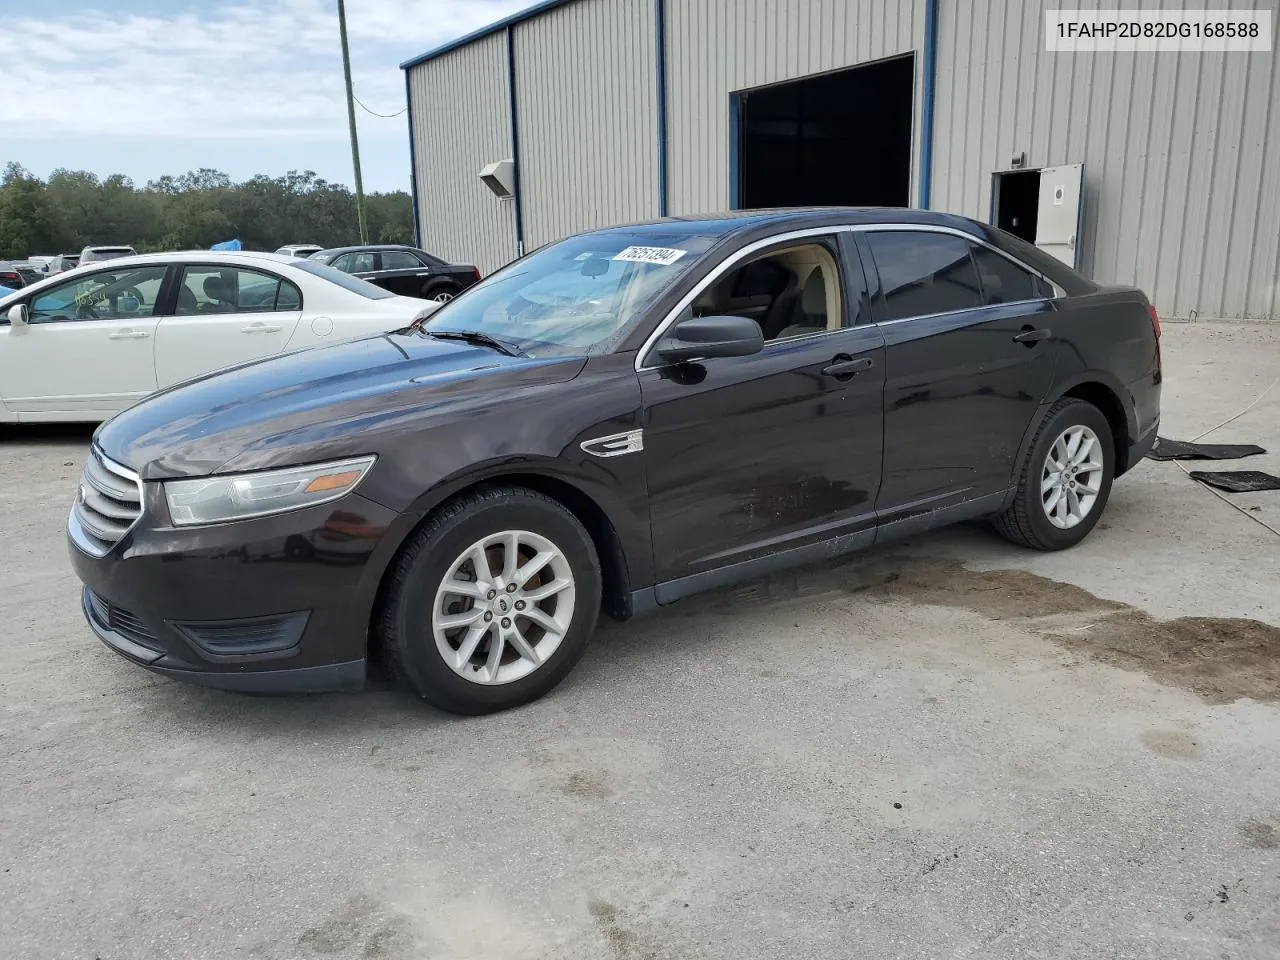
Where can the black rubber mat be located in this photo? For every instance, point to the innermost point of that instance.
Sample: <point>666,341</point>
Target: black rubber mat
<point>1166,449</point>
<point>1237,481</point>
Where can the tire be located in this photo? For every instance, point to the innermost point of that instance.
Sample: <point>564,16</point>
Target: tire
<point>440,292</point>
<point>1028,522</point>
<point>413,640</point>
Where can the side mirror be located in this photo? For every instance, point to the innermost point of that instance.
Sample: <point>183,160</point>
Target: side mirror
<point>703,337</point>
<point>18,315</point>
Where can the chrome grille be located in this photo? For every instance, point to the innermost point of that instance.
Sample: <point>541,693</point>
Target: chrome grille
<point>107,505</point>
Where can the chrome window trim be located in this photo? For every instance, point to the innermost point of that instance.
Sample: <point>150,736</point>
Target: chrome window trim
<point>728,264</point>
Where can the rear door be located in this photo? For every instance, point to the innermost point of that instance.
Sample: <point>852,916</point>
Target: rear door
<point>224,315</point>
<point>966,364</point>
<point>88,349</point>
<point>401,272</point>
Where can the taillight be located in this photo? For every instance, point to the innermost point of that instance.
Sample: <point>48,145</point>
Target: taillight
<point>1155,319</point>
<point>476,273</point>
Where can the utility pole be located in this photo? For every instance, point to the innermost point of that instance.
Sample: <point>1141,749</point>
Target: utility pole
<point>351,120</point>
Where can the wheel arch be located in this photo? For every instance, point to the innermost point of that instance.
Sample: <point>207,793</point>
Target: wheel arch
<point>616,572</point>
<point>1104,392</point>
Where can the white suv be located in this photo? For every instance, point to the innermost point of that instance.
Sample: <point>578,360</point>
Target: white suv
<point>96,254</point>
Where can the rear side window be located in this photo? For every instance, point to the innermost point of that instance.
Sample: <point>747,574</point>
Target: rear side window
<point>924,273</point>
<point>1003,281</point>
<point>233,290</point>
<point>354,263</point>
<point>399,260</point>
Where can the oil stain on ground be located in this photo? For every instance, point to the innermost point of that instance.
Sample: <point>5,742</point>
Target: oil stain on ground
<point>1221,659</point>
<point>622,941</point>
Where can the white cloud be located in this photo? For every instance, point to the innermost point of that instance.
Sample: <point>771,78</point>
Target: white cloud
<point>239,69</point>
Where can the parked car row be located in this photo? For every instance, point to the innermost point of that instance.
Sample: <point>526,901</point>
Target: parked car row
<point>84,345</point>
<point>407,271</point>
<point>616,421</point>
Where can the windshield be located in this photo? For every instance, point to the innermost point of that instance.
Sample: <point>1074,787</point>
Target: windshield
<point>348,282</point>
<point>574,296</point>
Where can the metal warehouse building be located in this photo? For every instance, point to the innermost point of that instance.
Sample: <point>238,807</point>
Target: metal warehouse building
<point>1160,169</point>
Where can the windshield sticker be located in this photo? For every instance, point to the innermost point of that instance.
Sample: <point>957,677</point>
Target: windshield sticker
<point>665,256</point>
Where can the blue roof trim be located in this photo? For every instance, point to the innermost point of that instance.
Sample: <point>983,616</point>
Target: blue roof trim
<point>527,14</point>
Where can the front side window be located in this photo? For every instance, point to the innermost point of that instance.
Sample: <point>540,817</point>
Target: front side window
<point>1003,281</point>
<point>924,273</point>
<point>106,295</point>
<point>354,263</point>
<point>209,289</point>
<point>790,292</point>
<point>399,260</point>
<point>575,296</point>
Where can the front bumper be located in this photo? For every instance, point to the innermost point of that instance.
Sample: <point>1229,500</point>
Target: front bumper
<point>273,604</point>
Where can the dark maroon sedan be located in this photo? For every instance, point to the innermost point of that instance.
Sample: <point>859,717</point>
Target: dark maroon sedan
<point>617,421</point>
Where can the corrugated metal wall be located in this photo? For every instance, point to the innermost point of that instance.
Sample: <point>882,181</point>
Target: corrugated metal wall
<point>586,93</point>
<point>460,122</point>
<point>718,46</point>
<point>1181,151</point>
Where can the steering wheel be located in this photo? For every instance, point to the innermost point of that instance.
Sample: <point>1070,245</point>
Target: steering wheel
<point>85,311</point>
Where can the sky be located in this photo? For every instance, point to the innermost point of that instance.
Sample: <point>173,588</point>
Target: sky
<point>153,87</point>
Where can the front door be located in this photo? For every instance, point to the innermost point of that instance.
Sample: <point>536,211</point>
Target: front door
<point>88,348</point>
<point>967,363</point>
<point>749,456</point>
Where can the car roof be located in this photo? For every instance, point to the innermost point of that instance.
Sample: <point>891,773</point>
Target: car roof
<point>372,246</point>
<point>725,223</point>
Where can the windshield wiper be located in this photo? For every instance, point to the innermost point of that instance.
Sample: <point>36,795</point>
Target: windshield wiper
<point>475,336</point>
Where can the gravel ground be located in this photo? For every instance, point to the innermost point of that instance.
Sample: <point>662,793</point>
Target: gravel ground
<point>946,748</point>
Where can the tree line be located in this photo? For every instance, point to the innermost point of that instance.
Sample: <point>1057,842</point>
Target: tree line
<point>74,209</point>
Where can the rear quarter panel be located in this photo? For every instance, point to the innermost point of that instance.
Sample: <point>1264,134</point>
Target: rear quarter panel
<point>1106,337</point>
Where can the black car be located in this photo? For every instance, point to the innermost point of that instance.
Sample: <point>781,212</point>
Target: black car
<point>617,421</point>
<point>407,271</point>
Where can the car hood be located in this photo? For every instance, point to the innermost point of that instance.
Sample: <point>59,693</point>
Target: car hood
<point>315,405</point>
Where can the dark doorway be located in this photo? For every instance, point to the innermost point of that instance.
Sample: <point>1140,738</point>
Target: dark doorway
<point>841,138</point>
<point>1017,202</point>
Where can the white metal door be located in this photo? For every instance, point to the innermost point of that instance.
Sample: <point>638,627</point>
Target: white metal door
<point>224,315</point>
<point>65,369</point>
<point>189,346</point>
<point>1058,214</point>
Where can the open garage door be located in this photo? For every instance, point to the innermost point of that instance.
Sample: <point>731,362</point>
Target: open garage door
<point>841,138</point>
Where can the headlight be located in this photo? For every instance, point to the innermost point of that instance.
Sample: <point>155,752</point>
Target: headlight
<point>239,496</point>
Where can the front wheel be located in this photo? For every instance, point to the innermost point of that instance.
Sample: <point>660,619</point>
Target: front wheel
<point>491,603</point>
<point>1065,481</point>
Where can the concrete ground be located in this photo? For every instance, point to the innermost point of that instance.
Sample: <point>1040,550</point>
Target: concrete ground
<point>949,748</point>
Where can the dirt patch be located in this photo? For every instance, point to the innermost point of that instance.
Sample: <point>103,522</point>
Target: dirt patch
<point>1173,744</point>
<point>1221,659</point>
<point>586,785</point>
<point>360,926</point>
<point>1260,835</point>
<point>622,941</point>
<point>996,594</point>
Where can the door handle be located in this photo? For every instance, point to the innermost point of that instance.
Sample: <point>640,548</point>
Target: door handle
<point>1031,336</point>
<point>260,328</point>
<point>846,366</point>
<point>128,335</point>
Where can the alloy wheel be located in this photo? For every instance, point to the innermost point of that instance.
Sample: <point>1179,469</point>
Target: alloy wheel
<point>503,607</point>
<point>1072,476</point>
<point>444,296</point>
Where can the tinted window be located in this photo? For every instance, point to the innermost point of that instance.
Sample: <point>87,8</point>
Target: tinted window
<point>1003,281</point>
<point>353,284</point>
<point>923,273</point>
<point>233,290</point>
<point>107,295</point>
<point>399,260</point>
<point>354,262</point>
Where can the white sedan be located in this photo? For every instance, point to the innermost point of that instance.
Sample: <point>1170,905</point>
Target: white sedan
<point>83,345</point>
